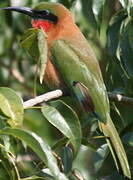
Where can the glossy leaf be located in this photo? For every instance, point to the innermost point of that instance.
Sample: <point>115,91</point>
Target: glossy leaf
<point>130,36</point>
<point>40,147</point>
<point>60,143</point>
<point>7,161</point>
<point>65,120</point>
<point>97,8</point>
<point>37,178</point>
<point>116,176</point>
<point>12,106</point>
<point>114,31</point>
<point>126,51</point>
<point>88,144</point>
<point>128,139</point>
<point>67,3</point>
<point>124,3</point>
<point>67,159</point>
<point>35,42</point>
<point>4,175</point>
<point>88,13</point>
<point>100,156</point>
<point>120,40</point>
<point>29,42</point>
<point>43,50</point>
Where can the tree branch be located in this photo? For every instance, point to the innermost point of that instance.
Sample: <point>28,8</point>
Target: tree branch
<point>42,98</point>
<point>119,98</point>
<point>58,93</point>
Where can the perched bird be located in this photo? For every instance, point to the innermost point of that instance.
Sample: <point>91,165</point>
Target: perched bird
<point>72,65</point>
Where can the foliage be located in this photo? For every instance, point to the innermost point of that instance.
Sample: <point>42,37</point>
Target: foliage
<point>52,141</point>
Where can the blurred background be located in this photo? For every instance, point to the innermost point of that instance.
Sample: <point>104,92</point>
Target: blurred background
<point>17,71</point>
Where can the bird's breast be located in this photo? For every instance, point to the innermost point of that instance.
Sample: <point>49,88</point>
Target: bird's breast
<point>63,30</point>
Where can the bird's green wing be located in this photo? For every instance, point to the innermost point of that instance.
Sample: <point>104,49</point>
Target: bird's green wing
<point>75,67</point>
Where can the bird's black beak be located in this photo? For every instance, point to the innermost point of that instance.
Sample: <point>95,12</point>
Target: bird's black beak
<point>33,13</point>
<point>24,10</point>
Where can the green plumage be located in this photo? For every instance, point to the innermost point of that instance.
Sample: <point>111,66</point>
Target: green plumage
<point>74,65</point>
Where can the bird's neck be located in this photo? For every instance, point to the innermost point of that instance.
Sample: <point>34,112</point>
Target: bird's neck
<point>64,29</point>
<point>46,25</point>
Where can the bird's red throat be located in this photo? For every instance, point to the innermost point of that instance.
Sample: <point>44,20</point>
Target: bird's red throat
<point>46,25</point>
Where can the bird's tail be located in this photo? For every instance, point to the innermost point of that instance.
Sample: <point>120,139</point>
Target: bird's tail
<point>108,129</point>
<point>116,147</point>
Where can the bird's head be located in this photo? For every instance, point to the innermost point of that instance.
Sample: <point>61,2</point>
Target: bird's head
<point>45,15</point>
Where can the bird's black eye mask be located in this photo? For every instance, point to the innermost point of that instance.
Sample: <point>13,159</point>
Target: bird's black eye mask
<point>45,14</point>
<point>35,14</point>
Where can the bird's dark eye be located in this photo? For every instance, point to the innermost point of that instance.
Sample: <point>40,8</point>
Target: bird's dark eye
<point>44,12</point>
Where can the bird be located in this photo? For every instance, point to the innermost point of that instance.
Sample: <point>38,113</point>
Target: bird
<point>72,66</point>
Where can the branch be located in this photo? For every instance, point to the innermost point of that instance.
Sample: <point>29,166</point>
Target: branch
<point>58,93</point>
<point>121,99</point>
<point>45,97</point>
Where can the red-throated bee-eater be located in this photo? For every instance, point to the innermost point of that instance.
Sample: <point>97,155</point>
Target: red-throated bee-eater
<point>72,64</point>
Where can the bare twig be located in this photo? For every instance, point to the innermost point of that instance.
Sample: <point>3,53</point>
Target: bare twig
<point>121,99</point>
<point>58,93</point>
<point>42,98</point>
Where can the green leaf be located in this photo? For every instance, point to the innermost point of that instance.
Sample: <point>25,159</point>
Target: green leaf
<point>88,144</point>
<point>67,3</point>
<point>88,14</point>
<point>114,31</point>
<point>128,139</point>
<point>120,41</point>
<point>29,42</point>
<point>97,8</point>
<point>12,106</point>
<point>3,173</point>
<point>124,3</point>
<point>126,51</point>
<point>60,143</point>
<point>100,156</point>
<point>7,161</point>
<point>43,50</point>
<point>67,159</point>
<point>116,176</point>
<point>36,178</point>
<point>64,119</point>
<point>39,147</point>
<point>130,36</point>
<point>35,42</point>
